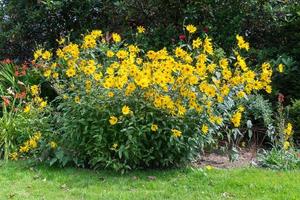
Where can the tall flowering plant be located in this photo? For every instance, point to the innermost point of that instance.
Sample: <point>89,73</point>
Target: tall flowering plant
<point>123,107</point>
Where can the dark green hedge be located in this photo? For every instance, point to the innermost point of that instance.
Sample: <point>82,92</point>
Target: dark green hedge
<point>270,25</point>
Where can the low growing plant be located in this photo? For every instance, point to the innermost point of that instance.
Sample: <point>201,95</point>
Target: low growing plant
<point>283,154</point>
<point>279,159</point>
<point>21,116</point>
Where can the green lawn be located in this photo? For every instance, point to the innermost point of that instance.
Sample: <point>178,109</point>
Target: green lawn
<point>19,182</point>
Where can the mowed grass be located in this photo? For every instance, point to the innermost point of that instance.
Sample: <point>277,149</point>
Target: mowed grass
<point>18,181</point>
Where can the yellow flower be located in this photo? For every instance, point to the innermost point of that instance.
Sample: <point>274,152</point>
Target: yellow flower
<point>98,76</point>
<point>196,43</point>
<point>77,99</point>
<point>176,133</point>
<point>38,53</point>
<point>286,145</point>
<point>204,129</point>
<point>13,156</point>
<point>236,119</point>
<point>191,28</point>
<point>89,41</point>
<point>114,146</point>
<point>37,136</point>
<point>32,143</point>
<point>47,73</point>
<point>38,99</point>
<point>24,149</point>
<point>43,104</point>
<point>71,72</point>
<point>289,129</point>
<point>34,90</point>
<point>46,55</point>
<point>241,94</point>
<point>122,54</point>
<point>223,63</point>
<point>65,96</point>
<point>280,68</point>
<point>110,94</point>
<point>268,89</point>
<point>207,45</point>
<point>60,53</point>
<point>125,110</point>
<point>113,120</point>
<point>110,53</point>
<point>141,29</point>
<point>154,127</point>
<point>116,37</point>
<point>27,109</point>
<point>53,65</point>
<point>241,42</point>
<point>53,145</point>
<point>61,41</point>
<point>55,75</point>
<point>209,167</point>
<point>241,108</point>
<point>139,61</point>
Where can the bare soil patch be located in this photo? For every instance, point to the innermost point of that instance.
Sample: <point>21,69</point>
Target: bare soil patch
<point>246,158</point>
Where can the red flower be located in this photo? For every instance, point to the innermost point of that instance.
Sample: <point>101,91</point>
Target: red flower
<point>6,61</point>
<point>23,72</point>
<point>182,37</point>
<point>280,98</point>
<point>24,67</point>
<point>21,95</point>
<point>205,29</point>
<point>5,100</point>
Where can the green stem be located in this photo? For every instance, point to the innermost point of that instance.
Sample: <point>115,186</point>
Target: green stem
<point>6,150</point>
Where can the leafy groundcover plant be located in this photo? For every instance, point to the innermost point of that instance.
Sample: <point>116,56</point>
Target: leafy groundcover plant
<point>20,116</point>
<point>123,108</point>
<point>283,154</point>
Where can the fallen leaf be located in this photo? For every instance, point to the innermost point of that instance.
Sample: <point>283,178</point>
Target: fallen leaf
<point>151,177</point>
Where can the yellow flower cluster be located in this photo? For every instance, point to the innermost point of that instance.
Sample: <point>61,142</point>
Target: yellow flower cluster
<point>35,91</point>
<point>46,55</point>
<point>288,132</point>
<point>178,81</point>
<point>90,41</point>
<point>241,43</point>
<point>31,143</point>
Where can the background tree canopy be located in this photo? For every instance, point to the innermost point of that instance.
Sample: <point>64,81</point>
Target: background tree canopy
<point>273,26</point>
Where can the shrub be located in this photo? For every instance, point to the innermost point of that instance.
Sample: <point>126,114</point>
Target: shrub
<point>122,107</point>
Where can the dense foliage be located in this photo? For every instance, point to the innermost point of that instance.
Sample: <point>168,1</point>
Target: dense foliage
<point>157,101</point>
<point>122,107</point>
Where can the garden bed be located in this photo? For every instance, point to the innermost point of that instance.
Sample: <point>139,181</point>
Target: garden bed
<point>246,158</point>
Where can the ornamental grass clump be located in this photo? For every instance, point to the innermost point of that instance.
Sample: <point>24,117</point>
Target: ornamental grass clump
<point>122,107</point>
